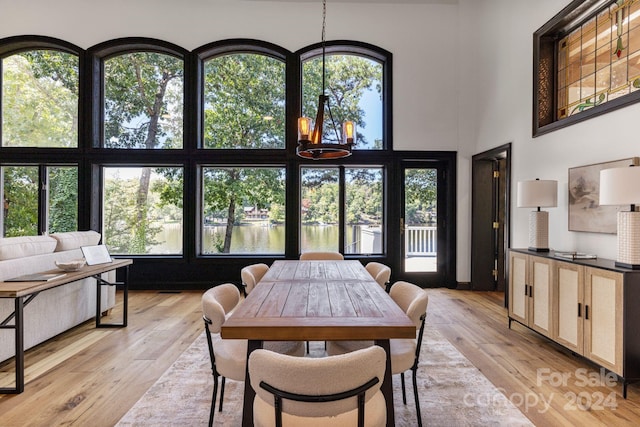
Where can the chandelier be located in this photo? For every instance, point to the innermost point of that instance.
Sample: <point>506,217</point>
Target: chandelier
<point>310,143</point>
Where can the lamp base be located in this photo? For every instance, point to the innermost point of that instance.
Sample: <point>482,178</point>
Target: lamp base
<point>539,231</point>
<point>628,240</point>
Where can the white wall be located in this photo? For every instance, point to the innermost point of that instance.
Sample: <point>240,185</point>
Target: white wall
<point>496,66</point>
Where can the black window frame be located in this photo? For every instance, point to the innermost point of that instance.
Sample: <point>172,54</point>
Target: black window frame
<point>197,270</point>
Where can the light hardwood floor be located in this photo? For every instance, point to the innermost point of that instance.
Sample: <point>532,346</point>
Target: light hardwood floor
<point>89,377</point>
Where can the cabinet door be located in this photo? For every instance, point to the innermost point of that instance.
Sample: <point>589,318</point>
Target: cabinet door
<point>569,306</point>
<point>603,318</point>
<point>540,278</point>
<point>518,296</point>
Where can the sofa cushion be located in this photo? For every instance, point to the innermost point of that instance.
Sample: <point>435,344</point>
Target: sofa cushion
<point>75,239</point>
<point>19,247</point>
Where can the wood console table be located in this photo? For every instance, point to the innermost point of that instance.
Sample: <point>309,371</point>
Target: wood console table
<point>24,292</point>
<point>318,301</point>
<point>589,306</point>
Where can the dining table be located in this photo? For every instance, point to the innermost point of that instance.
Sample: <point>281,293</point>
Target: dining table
<point>319,300</point>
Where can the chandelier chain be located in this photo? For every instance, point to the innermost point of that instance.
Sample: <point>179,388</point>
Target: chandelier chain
<point>324,24</point>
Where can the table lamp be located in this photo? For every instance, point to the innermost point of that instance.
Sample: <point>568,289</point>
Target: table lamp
<point>621,186</point>
<point>538,194</point>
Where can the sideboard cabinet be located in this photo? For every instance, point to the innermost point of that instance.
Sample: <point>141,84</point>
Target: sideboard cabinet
<point>588,306</point>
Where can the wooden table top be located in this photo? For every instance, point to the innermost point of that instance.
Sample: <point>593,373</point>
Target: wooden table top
<point>19,289</point>
<point>318,300</point>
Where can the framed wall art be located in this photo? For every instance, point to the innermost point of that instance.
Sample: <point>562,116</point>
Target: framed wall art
<point>585,212</point>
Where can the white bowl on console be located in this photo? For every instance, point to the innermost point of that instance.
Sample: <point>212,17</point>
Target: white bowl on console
<point>73,265</point>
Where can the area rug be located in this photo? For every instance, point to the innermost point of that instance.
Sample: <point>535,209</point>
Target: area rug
<point>452,391</point>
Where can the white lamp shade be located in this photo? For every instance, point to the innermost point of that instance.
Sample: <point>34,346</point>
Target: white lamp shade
<point>620,186</point>
<point>537,194</point>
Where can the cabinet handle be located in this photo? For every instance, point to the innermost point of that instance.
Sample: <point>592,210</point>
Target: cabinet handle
<point>586,312</point>
<point>579,310</point>
<point>530,291</point>
<point>526,290</point>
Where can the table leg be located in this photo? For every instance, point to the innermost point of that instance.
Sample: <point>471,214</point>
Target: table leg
<point>18,329</point>
<point>387,383</point>
<point>249,392</point>
<point>125,300</point>
<point>19,345</point>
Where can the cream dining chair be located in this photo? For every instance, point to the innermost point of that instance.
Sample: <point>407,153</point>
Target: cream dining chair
<point>251,275</point>
<point>332,391</point>
<point>328,255</point>
<point>381,273</point>
<point>228,357</point>
<point>405,353</point>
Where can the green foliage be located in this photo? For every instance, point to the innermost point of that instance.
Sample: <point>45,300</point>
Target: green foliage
<point>40,109</point>
<point>171,188</point>
<point>40,100</point>
<point>420,195</point>
<point>138,114</point>
<point>348,77</point>
<point>320,195</point>
<point>277,213</point>
<point>364,196</point>
<point>20,201</point>
<point>218,243</point>
<point>143,109</point>
<point>131,228</point>
<point>244,102</point>
<point>63,199</point>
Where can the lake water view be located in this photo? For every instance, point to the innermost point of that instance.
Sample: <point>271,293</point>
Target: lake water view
<point>263,239</point>
<point>250,239</point>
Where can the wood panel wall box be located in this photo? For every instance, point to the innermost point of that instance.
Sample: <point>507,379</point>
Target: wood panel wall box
<point>592,307</point>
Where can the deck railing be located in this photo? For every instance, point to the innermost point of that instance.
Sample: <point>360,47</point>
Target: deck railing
<point>420,241</point>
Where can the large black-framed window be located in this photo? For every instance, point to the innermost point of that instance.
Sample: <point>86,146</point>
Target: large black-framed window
<point>184,164</point>
<point>40,107</point>
<point>585,63</point>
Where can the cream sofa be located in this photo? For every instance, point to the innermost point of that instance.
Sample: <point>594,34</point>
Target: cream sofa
<point>55,310</point>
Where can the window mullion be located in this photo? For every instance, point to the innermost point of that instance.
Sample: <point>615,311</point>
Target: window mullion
<point>43,199</point>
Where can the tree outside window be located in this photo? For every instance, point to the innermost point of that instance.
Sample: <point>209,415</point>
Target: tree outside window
<point>154,227</point>
<point>40,100</point>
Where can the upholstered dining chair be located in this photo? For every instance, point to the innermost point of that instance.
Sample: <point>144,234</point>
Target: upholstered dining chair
<point>329,255</point>
<point>229,357</point>
<point>381,273</point>
<point>405,353</point>
<point>341,390</point>
<point>251,275</point>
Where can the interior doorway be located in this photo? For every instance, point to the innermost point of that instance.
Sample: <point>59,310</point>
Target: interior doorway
<point>490,190</point>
